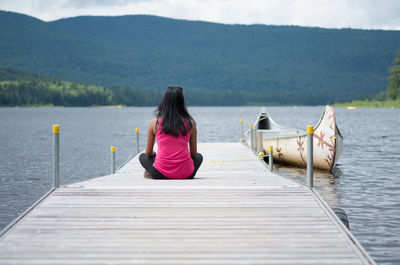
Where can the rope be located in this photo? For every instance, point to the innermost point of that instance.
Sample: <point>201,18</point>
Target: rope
<point>263,118</point>
<point>333,138</point>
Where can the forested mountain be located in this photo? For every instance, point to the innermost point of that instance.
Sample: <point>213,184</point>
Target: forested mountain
<point>216,64</point>
<point>18,88</point>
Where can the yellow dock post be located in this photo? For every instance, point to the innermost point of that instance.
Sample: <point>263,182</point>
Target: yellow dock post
<point>271,158</point>
<point>137,141</point>
<point>310,161</point>
<point>112,159</point>
<point>56,155</point>
<point>251,137</point>
<point>241,130</point>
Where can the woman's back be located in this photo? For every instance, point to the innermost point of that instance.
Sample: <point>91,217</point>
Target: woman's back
<point>176,135</point>
<point>173,157</point>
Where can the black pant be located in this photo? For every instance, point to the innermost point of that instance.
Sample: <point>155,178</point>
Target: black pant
<point>147,163</point>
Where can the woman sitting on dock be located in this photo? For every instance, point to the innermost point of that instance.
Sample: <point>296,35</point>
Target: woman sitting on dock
<point>174,130</point>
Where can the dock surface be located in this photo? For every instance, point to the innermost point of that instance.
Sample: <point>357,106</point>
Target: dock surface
<point>233,212</point>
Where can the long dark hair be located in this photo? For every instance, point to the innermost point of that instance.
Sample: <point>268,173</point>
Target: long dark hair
<point>173,112</point>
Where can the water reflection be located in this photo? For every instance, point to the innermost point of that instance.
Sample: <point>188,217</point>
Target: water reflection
<point>324,181</point>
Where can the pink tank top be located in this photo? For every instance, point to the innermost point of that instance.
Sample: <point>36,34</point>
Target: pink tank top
<point>173,157</point>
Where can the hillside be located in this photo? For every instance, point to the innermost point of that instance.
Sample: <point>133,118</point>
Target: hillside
<point>19,88</point>
<point>222,64</point>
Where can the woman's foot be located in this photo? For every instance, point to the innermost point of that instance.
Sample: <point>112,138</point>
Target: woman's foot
<point>146,174</point>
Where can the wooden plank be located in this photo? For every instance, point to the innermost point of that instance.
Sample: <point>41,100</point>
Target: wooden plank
<point>234,212</point>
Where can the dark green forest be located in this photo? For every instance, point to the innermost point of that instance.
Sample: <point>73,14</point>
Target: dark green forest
<point>393,90</point>
<point>130,60</point>
<point>20,88</point>
<point>389,98</point>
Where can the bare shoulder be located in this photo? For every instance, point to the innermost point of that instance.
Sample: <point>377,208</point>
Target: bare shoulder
<point>153,121</point>
<point>153,125</point>
<point>192,125</point>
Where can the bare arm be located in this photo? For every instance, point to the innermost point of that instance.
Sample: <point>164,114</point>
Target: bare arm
<point>151,136</point>
<point>193,140</point>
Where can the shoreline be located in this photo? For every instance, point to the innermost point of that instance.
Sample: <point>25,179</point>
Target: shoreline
<point>349,105</point>
<point>369,104</point>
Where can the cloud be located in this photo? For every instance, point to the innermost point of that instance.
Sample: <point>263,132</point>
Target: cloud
<point>322,13</point>
<point>378,14</point>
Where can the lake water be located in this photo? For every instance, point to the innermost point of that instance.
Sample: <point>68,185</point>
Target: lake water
<point>366,182</point>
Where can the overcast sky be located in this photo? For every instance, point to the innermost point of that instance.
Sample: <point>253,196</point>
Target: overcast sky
<point>366,14</point>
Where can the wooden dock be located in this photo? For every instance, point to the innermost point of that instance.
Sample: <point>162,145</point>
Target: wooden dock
<point>233,212</point>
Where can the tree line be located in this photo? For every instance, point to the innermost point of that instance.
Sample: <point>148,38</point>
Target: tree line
<point>65,93</point>
<point>58,93</point>
<point>21,88</point>
<point>388,98</point>
<point>393,90</point>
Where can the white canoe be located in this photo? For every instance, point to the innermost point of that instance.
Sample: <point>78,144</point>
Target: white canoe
<point>290,145</point>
